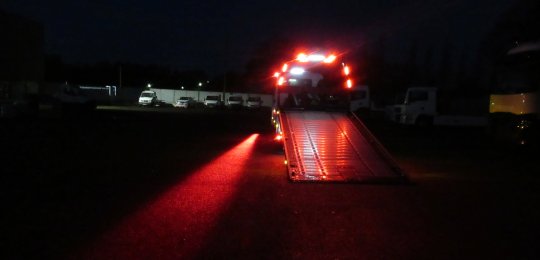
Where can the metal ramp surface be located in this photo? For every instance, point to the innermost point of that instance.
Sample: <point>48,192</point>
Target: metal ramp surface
<point>325,146</point>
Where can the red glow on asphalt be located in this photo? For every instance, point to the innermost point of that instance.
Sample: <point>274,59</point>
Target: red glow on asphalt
<point>176,224</point>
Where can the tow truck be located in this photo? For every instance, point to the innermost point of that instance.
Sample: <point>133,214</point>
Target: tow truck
<point>322,140</point>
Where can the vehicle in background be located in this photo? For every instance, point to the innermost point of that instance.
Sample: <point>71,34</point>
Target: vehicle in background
<point>425,106</point>
<point>10,108</point>
<point>213,101</point>
<point>148,98</point>
<point>514,104</point>
<point>254,102</point>
<point>70,99</point>
<point>235,102</point>
<point>185,102</point>
<point>19,99</point>
<point>360,98</point>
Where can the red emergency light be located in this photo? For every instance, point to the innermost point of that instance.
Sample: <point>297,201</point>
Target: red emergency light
<point>346,70</point>
<point>315,57</point>
<point>281,81</point>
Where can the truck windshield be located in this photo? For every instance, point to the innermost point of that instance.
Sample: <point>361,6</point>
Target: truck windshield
<point>235,98</point>
<point>318,87</point>
<point>184,99</point>
<point>254,99</point>
<point>147,94</point>
<point>212,98</point>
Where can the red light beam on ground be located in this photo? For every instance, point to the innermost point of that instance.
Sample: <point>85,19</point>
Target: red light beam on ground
<point>176,224</point>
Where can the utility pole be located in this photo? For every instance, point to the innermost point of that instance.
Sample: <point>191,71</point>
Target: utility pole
<point>120,76</point>
<point>226,58</point>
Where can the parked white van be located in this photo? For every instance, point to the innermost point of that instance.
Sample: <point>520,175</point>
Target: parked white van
<point>148,98</point>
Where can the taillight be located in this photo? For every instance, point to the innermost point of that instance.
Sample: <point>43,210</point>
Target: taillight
<point>346,70</point>
<point>279,137</point>
<point>285,67</point>
<point>349,83</point>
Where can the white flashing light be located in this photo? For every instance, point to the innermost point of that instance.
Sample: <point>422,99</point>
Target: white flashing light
<point>297,71</point>
<point>316,57</point>
<point>302,57</point>
<point>330,59</point>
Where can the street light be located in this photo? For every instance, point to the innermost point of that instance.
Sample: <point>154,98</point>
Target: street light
<point>199,92</point>
<point>148,85</point>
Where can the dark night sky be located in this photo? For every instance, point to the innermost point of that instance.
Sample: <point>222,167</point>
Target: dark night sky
<point>214,35</point>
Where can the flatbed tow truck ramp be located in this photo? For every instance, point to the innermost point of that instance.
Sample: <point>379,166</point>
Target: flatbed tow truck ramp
<point>325,146</point>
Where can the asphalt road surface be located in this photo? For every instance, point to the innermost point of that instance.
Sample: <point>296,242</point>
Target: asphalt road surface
<point>174,184</point>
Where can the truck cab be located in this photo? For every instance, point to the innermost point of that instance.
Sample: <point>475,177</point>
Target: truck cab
<point>315,81</point>
<point>419,106</point>
<point>426,106</point>
<point>360,98</point>
<point>322,140</point>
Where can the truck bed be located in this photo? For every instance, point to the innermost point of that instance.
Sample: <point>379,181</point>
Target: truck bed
<point>328,146</point>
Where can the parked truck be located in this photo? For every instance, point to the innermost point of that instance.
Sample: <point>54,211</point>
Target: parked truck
<point>322,139</point>
<point>425,106</point>
<point>360,98</point>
